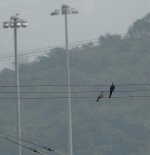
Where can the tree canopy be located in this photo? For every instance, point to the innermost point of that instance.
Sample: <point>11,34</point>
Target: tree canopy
<point>111,126</point>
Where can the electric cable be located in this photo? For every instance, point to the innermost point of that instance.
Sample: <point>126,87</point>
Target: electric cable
<point>27,141</point>
<point>29,148</point>
<point>73,97</point>
<point>72,92</point>
<point>78,85</point>
<point>47,49</point>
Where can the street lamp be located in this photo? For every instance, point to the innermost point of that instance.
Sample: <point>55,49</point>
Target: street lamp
<point>15,22</point>
<point>66,10</point>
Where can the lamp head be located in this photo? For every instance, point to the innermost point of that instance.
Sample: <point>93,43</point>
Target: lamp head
<point>6,24</point>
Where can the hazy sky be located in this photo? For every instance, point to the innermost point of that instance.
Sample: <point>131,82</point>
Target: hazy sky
<point>96,17</point>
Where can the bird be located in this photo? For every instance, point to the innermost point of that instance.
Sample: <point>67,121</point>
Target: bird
<point>112,88</point>
<point>100,96</point>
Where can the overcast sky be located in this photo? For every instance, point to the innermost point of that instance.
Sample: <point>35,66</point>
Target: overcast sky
<point>96,17</point>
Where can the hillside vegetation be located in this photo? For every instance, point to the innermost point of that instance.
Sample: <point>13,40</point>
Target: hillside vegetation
<point>116,126</point>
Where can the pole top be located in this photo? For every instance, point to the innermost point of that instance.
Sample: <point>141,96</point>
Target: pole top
<point>64,6</point>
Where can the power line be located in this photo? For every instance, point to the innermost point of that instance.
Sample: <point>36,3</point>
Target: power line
<point>79,85</point>
<point>76,92</point>
<point>38,51</point>
<point>47,49</point>
<point>43,147</point>
<point>29,148</point>
<point>73,97</point>
<point>71,44</point>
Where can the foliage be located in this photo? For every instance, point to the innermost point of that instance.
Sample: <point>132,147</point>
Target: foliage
<point>112,126</point>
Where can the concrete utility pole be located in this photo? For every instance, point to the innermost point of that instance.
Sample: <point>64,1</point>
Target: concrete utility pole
<point>15,22</point>
<point>65,10</point>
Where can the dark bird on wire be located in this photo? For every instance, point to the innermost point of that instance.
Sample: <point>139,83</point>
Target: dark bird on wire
<point>112,88</point>
<point>100,96</point>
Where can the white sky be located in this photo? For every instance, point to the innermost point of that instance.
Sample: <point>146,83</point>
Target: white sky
<point>96,17</point>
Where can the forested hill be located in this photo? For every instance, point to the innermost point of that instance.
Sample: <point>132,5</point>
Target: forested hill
<point>116,126</point>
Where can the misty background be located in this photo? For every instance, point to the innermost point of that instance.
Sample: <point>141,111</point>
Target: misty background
<point>95,18</point>
<point>109,42</point>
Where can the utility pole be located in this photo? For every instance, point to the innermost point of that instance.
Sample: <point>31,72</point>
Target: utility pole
<point>15,22</point>
<point>66,10</point>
